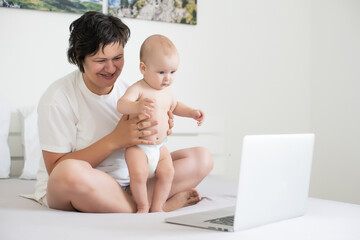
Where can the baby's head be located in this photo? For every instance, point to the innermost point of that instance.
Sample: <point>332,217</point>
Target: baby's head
<point>159,61</point>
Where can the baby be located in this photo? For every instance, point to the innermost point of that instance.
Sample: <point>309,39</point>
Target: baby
<point>159,61</point>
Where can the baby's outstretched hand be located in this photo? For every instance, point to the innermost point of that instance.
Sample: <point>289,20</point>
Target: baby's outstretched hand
<point>146,105</point>
<point>199,116</point>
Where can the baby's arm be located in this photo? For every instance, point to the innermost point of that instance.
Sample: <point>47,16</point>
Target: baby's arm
<point>185,111</point>
<point>129,103</point>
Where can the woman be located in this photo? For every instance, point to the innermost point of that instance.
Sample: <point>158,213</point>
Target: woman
<point>83,136</point>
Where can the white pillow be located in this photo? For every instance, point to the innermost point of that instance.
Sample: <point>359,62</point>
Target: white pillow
<point>5,160</point>
<point>30,141</point>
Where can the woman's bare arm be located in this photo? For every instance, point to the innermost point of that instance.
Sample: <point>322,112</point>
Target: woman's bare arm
<point>125,134</point>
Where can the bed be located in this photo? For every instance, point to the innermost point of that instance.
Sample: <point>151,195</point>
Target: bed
<point>22,219</point>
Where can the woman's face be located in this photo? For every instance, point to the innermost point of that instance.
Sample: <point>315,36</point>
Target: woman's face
<point>103,68</point>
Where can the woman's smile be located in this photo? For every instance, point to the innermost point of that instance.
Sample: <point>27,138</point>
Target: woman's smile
<point>107,76</point>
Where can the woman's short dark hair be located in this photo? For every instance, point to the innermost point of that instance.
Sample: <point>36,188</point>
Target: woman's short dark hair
<point>92,30</point>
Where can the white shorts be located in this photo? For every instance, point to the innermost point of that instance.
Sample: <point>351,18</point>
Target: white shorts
<point>43,201</point>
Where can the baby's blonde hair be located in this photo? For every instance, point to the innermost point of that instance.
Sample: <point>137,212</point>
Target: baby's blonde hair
<point>154,44</point>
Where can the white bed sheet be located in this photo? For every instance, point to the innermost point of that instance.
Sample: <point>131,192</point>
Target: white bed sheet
<point>22,219</point>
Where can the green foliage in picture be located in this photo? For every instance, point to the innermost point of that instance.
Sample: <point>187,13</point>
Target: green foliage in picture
<point>72,6</point>
<point>172,11</point>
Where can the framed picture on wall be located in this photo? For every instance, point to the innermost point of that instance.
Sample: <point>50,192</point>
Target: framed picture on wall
<point>172,11</point>
<point>70,6</point>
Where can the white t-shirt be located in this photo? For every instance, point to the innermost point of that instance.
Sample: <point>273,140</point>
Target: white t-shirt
<point>71,117</point>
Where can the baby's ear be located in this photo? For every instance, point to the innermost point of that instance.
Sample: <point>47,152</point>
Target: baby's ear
<point>142,67</point>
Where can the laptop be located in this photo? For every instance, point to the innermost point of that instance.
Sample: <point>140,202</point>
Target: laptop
<point>273,184</point>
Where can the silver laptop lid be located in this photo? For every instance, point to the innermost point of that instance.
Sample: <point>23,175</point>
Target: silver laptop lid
<point>274,178</point>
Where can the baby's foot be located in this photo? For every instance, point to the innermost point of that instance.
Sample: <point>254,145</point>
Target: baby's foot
<point>153,209</point>
<point>182,199</point>
<point>142,210</point>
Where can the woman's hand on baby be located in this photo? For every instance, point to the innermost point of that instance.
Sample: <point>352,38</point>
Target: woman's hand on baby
<point>146,105</point>
<point>129,132</point>
<point>199,116</point>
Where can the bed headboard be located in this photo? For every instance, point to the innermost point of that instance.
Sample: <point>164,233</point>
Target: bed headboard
<point>15,145</point>
<point>185,134</point>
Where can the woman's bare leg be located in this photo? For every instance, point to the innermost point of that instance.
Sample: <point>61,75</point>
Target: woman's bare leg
<point>75,185</point>
<point>191,166</point>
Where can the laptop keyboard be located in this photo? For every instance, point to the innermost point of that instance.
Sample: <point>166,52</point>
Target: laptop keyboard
<point>228,221</point>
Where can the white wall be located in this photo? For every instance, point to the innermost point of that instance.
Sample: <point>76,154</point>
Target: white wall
<point>336,99</point>
<point>258,63</point>
<point>33,53</point>
<point>266,53</point>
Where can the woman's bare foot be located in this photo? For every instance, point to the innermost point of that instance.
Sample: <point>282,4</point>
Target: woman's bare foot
<point>182,199</point>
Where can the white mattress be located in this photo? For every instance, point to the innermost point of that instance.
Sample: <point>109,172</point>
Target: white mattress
<point>23,219</point>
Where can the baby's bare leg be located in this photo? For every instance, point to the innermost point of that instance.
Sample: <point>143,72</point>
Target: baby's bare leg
<point>136,161</point>
<point>164,174</point>
<point>191,166</point>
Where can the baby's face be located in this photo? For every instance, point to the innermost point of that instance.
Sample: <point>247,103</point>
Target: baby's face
<point>160,70</point>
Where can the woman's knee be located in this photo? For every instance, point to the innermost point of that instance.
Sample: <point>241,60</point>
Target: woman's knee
<point>204,159</point>
<point>71,175</point>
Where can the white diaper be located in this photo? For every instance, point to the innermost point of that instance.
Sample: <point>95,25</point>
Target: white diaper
<point>152,153</point>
